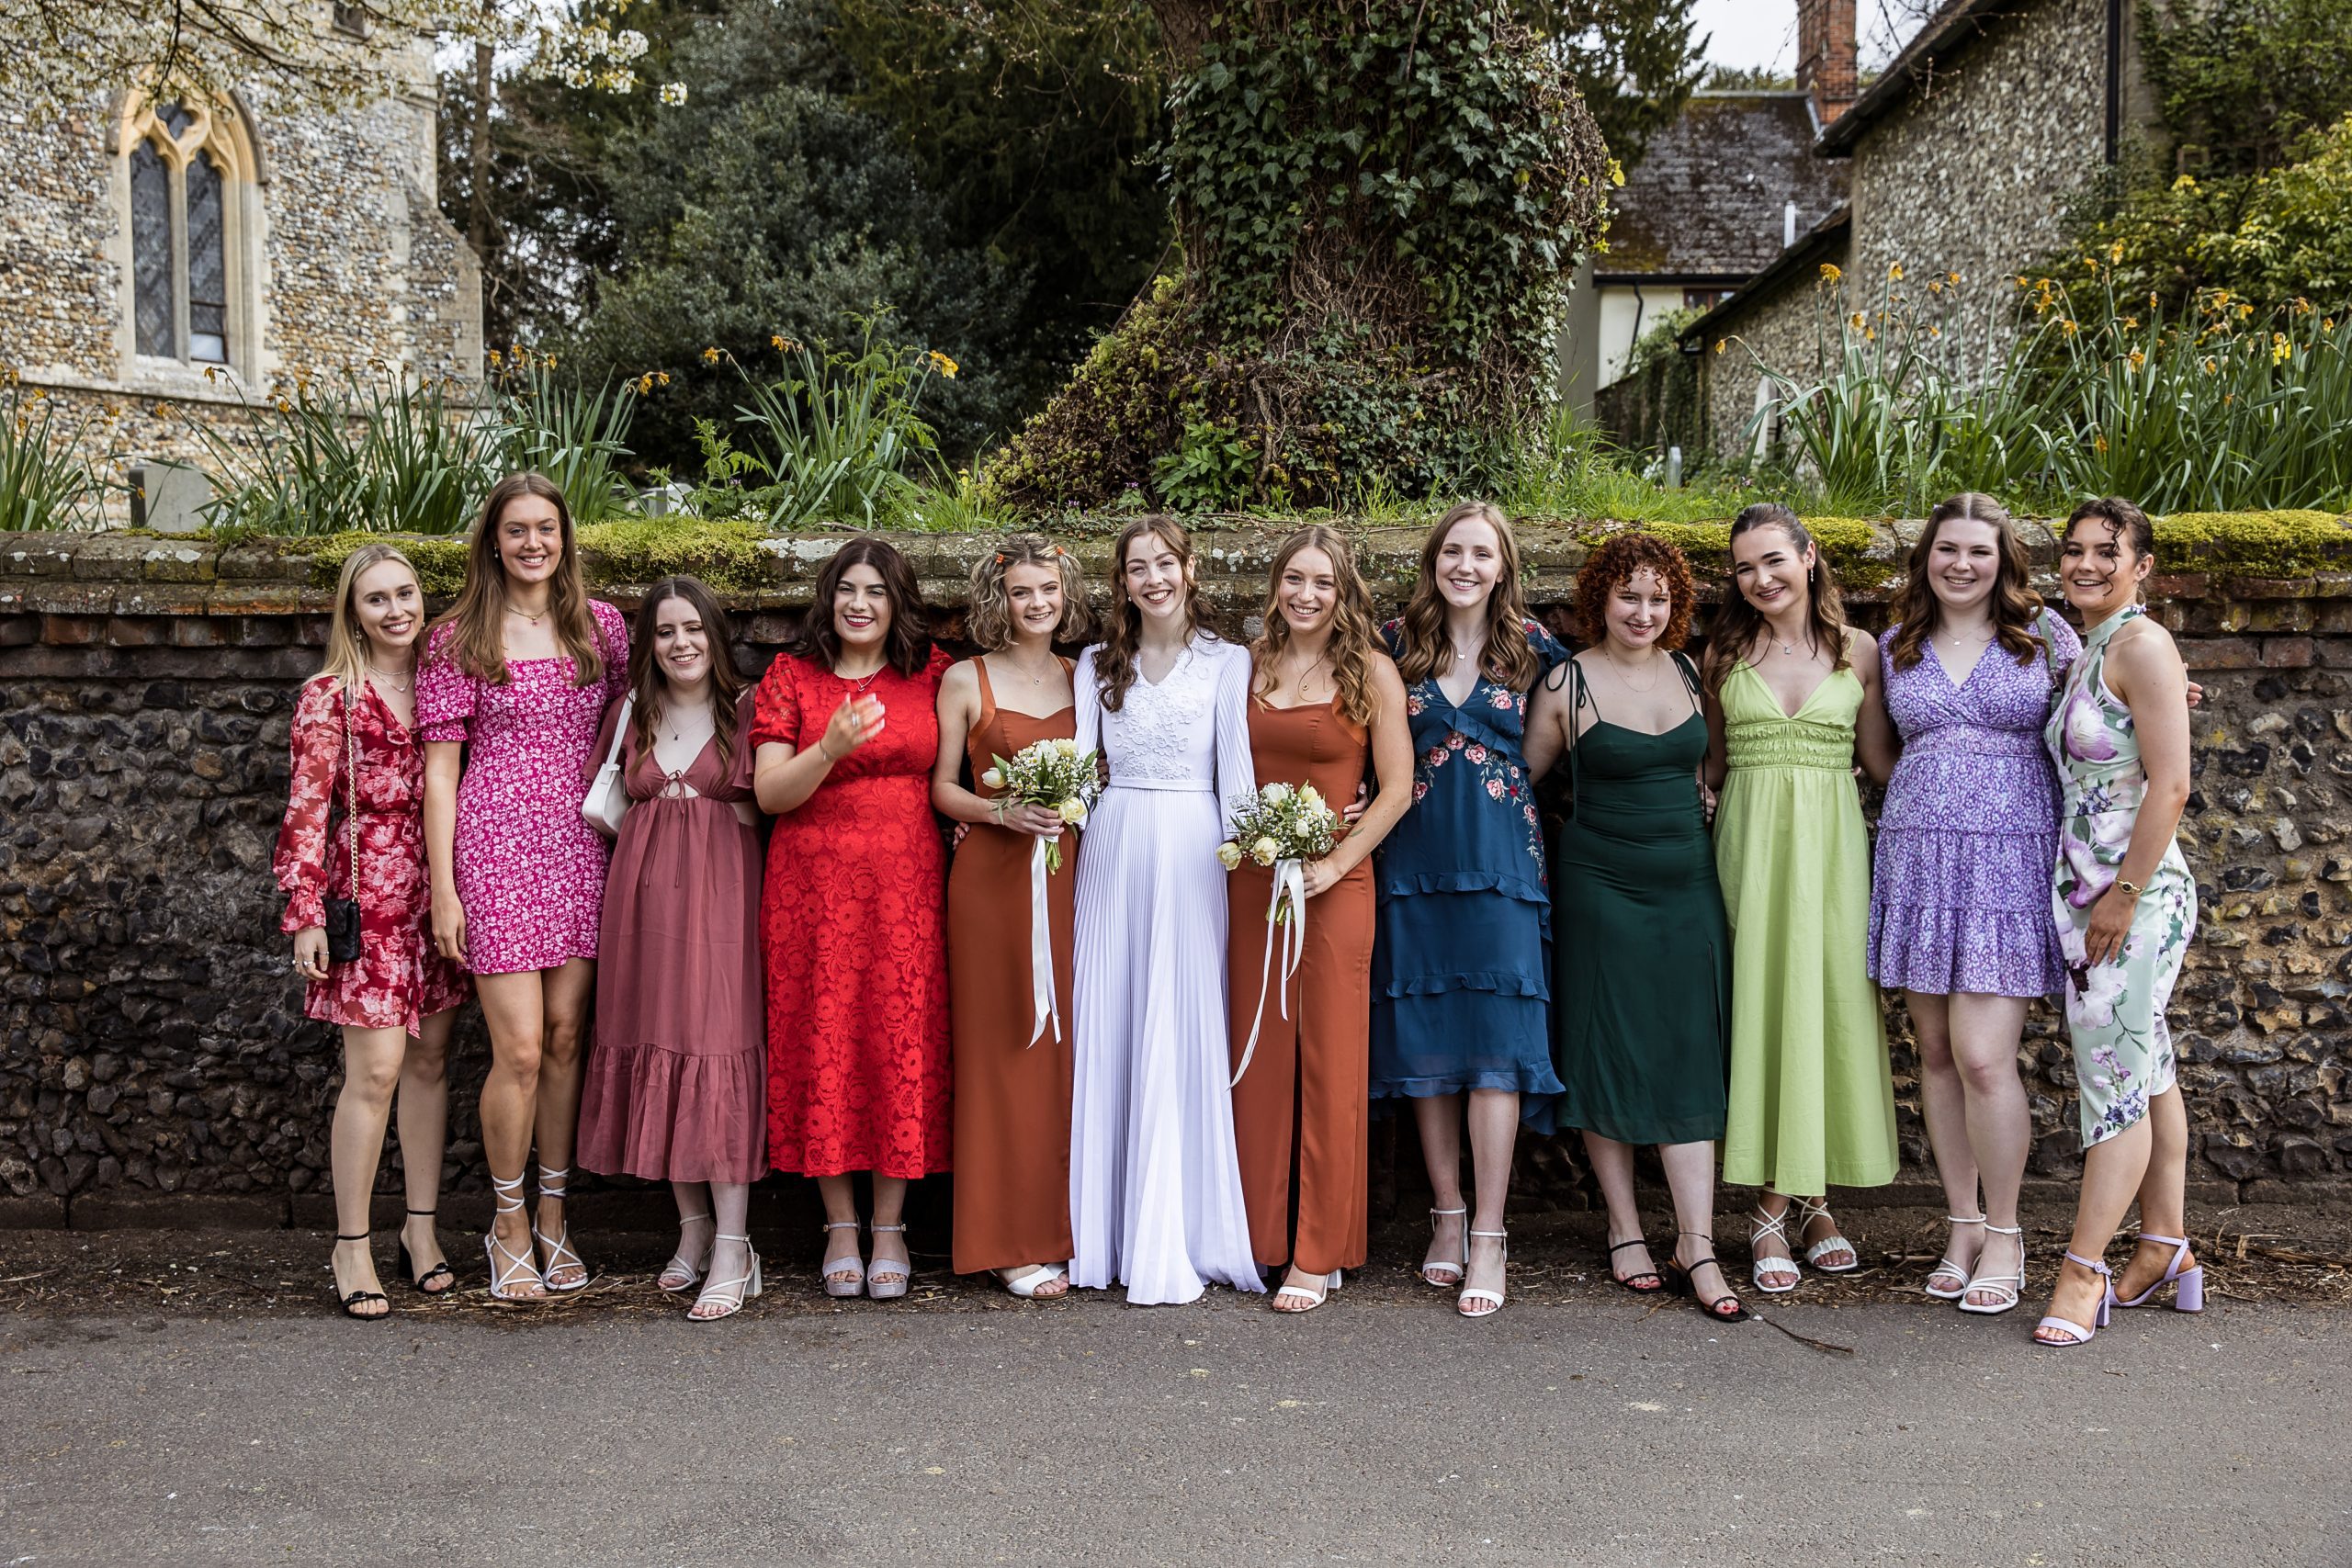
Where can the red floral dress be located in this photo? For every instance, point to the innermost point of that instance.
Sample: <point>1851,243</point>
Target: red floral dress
<point>852,933</point>
<point>398,980</point>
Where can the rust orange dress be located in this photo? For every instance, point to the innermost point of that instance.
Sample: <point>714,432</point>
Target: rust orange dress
<point>1300,1111</point>
<point>1011,1097</point>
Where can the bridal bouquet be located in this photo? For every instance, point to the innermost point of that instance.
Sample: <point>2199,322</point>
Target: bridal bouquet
<point>1052,773</point>
<point>1282,827</point>
<point>1282,824</point>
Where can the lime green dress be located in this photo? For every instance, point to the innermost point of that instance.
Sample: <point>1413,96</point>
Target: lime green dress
<point>1812,1101</point>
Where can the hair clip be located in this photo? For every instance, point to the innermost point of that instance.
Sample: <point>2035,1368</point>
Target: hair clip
<point>999,557</point>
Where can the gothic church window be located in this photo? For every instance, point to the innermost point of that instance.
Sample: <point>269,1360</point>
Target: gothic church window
<point>183,164</point>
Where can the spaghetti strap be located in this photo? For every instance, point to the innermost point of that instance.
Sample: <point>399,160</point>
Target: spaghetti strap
<point>1690,674</point>
<point>988,691</point>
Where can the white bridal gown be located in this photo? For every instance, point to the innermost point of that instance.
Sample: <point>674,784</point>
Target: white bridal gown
<point>1155,1186</point>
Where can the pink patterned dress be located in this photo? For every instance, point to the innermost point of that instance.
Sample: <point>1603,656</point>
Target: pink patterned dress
<point>530,872</point>
<point>398,980</point>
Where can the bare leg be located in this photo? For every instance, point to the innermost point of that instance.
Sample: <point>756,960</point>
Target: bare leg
<point>731,1206</point>
<point>511,1006</point>
<point>2163,1194</point>
<point>1612,1167</point>
<point>889,1258</point>
<point>1439,1119</point>
<point>840,1196</point>
<point>371,1067</point>
<point>1494,1129</point>
<point>567,990</point>
<point>1691,1178</point>
<point>2112,1171</point>
<point>1985,1035</point>
<point>695,1228</point>
<point>1944,1106</point>
<point>422,1111</point>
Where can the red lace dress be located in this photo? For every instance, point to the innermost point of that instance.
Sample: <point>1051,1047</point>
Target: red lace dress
<point>852,931</point>
<point>398,980</point>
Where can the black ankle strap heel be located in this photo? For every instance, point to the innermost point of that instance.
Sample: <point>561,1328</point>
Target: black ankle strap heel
<point>353,1301</point>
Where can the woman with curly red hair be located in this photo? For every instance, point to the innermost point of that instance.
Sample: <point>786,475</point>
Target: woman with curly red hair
<point>1642,981</point>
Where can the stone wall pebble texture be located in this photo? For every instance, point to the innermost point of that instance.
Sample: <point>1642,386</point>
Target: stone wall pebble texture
<point>153,1036</point>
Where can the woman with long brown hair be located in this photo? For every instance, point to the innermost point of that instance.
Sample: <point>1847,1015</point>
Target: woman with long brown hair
<point>1792,698</point>
<point>1012,1059</point>
<point>516,678</point>
<point>852,920</point>
<point>1324,700</point>
<point>677,1079</point>
<point>1155,1186</point>
<point>354,829</point>
<point>1960,901</point>
<point>1460,971</point>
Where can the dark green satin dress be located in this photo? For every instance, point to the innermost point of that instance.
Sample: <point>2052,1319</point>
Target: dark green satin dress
<point>1641,992</point>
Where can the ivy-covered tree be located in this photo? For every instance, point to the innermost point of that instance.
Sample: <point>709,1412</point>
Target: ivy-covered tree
<point>1379,203</point>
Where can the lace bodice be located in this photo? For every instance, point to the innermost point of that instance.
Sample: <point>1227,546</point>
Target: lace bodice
<point>1189,732</point>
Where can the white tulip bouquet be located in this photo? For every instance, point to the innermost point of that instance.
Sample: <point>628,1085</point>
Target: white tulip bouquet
<point>1052,773</point>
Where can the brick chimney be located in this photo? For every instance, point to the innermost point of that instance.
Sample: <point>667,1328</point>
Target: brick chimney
<point>1827,62</point>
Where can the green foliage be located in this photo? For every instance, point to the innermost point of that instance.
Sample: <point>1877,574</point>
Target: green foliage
<point>1568,469</point>
<point>576,437</point>
<point>838,438</point>
<point>730,557</point>
<point>1209,471</point>
<point>2254,543</point>
<point>439,560</point>
<point>1635,63</point>
<point>45,481</point>
<point>2241,81</point>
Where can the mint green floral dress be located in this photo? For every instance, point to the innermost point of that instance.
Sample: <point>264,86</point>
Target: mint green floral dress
<point>2115,1011</point>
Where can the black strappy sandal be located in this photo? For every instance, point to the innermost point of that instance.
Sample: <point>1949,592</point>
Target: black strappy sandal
<point>1634,1283</point>
<point>423,1286</point>
<point>1687,1286</point>
<point>357,1299</point>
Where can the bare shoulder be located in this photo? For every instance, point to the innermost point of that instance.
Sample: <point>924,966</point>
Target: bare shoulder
<point>962,680</point>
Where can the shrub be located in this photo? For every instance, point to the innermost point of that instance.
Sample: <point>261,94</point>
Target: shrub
<point>45,481</point>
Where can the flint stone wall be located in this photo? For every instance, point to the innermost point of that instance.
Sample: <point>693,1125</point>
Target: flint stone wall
<point>151,1036</point>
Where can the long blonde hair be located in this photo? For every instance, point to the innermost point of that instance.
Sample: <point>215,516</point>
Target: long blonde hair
<point>1115,656</point>
<point>989,620</point>
<point>478,643</point>
<point>346,663</point>
<point>1510,659</point>
<point>1352,629</point>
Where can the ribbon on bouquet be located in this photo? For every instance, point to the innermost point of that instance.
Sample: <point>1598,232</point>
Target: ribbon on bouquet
<point>1041,946</point>
<point>1290,883</point>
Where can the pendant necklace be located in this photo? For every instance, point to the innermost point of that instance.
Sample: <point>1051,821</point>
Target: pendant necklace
<point>1305,675</point>
<point>396,684</point>
<point>1617,665</point>
<point>527,615</point>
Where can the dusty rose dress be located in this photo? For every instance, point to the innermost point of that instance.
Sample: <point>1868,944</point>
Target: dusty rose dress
<point>530,871</point>
<point>676,1085</point>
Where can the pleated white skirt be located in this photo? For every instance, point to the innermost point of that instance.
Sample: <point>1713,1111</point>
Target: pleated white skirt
<point>1155,1186</point>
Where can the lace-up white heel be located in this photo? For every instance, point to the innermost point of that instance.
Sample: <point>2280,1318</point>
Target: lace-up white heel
<point>516,1278</point>
<point>552,1184</point>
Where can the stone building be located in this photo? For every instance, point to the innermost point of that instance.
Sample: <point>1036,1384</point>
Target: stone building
<point>158,260</point>
<point>1964,155</point>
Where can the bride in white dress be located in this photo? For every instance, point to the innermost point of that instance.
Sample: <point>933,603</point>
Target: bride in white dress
<point>1155,1186</point>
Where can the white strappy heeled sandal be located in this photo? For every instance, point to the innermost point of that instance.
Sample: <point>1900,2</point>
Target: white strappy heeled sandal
<point>1778,1269</point>
<point>1313,1298</point>
<point>1479,1292</point>
<point>679,1275</point>
<point>844,1276</point>
<point>518,1269</point>
<point>728,1294</point>
<point>553,1184</point>
<point>1946,1267</point>
<point>882,1287</point>
<point>1454,1273</point>
<point>1833,1242</point>
<point>2005,1289</point>
<point>1031,1278</point>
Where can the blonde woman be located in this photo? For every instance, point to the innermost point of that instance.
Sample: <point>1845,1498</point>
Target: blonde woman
<point>515,680</point>
<point>1460,974</point>
<point>1012,1069</point>
<point>358,791</point>
<point>1325,704</point>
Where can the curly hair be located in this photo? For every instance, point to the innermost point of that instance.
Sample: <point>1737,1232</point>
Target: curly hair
<point>1115,656</point>
<point>1425,652</point>
<point>906,645</point>
<point>1738,622</point>
<point>2015,607</point>
<point>990,616</point>
<point>1615,562</point>
<point>1353,631</point>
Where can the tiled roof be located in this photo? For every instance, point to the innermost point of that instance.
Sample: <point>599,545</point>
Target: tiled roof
<point>1708,198</point>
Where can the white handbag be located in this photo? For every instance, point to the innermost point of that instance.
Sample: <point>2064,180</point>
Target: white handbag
<point>608,800</point>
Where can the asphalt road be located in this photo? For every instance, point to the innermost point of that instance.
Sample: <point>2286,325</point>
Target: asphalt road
<point>1381,1429</point>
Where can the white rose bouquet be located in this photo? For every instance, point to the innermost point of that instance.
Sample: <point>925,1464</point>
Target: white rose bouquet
<point>1282,827</point>
<point>1052,773</point>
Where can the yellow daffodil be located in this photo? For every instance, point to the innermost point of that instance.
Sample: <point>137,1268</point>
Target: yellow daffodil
<point>946,365</point>
<point>1895,273</point>
<point>710,356</point>
<point>1830,272</point>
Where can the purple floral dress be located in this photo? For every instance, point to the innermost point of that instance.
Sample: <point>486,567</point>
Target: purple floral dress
<point>1959,899</point>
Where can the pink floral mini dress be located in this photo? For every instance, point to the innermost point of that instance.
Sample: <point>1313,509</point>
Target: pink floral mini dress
<point>530,872</point>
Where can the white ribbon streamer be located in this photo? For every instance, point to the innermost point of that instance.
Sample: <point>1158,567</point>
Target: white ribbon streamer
<point>1041,947</point>
<point>1290,883</point>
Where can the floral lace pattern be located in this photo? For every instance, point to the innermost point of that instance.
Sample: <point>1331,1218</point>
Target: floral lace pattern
<point>398,980</point>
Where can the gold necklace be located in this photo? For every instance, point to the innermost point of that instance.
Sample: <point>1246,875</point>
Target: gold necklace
<point>527,615</point>
<point>393,682</point>
<point>1305,674</point>
<point>1619,667</point>
<point>1037,680</point>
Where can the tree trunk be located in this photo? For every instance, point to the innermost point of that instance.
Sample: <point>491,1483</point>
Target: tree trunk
<point>478,222</point>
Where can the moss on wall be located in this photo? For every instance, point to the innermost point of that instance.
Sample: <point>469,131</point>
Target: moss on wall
<point>2253,544</point>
